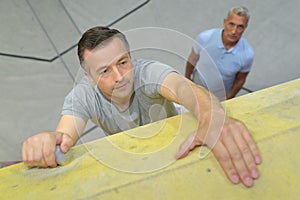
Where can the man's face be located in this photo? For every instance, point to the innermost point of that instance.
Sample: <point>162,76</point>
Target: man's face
<point>234,27</point>
<point>110,68</point>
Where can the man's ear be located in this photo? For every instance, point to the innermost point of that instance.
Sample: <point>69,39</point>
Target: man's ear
<point>90,78</point>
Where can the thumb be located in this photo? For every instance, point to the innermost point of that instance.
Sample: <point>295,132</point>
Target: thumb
<point>58,136</point>
<point>66,143</point>
<point>189,144</point>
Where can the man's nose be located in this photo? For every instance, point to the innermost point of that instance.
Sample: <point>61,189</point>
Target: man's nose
<point>117,75</point>
<point>234,30</point>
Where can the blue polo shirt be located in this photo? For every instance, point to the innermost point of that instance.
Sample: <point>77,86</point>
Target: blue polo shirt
<point>217,67</point>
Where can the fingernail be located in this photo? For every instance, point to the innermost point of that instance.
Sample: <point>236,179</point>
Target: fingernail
<point>66,147</point>
<point>257,159</point>
<point>248,181</point>
<point>254,173</point>
<point>235,179</point>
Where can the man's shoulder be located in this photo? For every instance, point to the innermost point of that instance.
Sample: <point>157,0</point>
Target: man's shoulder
<point>210,32</point>
<point>143,65</point>
<point>245,46</point>
<point>83,87</point>
<point>84,82</point>
<point>150,70</point>
<point>140,62</point>
<point>207,35</point>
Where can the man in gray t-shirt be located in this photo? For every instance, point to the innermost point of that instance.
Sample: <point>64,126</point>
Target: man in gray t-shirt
<point>147,105</point>
<point>119,93</point>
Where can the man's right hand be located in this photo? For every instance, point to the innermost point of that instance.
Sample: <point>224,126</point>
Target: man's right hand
<point>39,150</point>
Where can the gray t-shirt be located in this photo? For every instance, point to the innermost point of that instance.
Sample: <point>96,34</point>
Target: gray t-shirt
<point>147,105</point>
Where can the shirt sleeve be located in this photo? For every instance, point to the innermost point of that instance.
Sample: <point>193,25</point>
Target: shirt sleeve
<point>249,58</point>
<point>201,41</point>
<point>197,45</point>
<point>76,102</point>
<point>152,77</point>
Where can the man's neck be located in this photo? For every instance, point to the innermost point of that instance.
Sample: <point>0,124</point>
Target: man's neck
<point>228,45</point>
<point>123,104</point>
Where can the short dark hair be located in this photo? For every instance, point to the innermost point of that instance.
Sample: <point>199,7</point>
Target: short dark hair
<point>98,37</point>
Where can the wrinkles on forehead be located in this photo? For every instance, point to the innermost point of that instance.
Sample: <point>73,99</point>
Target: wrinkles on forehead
<point>105,55</point>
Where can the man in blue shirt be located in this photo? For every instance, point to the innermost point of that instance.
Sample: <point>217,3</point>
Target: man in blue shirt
<point>226,57</point>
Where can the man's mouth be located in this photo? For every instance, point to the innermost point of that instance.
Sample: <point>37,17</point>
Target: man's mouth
<point>120,85</point>
<point>232,36</point>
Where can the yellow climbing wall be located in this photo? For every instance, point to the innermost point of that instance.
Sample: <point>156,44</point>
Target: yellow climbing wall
<point>140,164</point>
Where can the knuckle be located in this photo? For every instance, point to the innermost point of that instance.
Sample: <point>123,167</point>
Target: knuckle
<point>225,129</point>
<point>26,161</point>
<point>236,155</point>
<point>47,135</point>
<point>245,150</point>
<point>51,163</point>
<point>28,142</point>
<point>223,158</point>
<point>48,153</point>
<point>37,158</point>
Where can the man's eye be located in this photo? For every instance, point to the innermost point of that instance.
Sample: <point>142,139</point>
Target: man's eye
<point>241,27</point>
<point>104,71</point>
<point>123,63</point>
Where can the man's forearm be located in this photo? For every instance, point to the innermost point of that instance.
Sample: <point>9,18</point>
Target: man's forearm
<point>203,104</point>
<point>71,126</point>
<point>190,64</point>
<point>189,70</point>
<point>237,86</point>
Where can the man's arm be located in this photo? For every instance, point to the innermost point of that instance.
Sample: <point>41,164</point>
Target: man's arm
<point>228,138</point>
<point>240,80</point>
<point>39,150</point>
<point>191,63</point>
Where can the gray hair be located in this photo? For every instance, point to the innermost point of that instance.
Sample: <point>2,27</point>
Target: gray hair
<point>240,11</point>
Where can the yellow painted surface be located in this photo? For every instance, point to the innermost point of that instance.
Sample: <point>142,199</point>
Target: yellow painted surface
<point>140,164</point>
